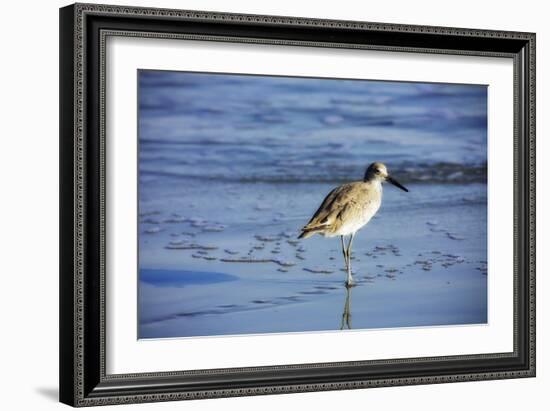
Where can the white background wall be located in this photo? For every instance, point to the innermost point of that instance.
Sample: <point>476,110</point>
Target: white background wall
<point>29,204</point>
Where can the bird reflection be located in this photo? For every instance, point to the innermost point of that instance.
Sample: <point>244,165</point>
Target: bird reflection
<point>346,315</point>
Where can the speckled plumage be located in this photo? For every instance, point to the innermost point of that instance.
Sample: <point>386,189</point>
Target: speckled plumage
<point>345,209</point>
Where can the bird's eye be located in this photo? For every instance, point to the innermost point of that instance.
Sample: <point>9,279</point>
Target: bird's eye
<point>377,171</point>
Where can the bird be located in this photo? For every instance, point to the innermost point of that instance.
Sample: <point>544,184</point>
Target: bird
<point>348,208</point>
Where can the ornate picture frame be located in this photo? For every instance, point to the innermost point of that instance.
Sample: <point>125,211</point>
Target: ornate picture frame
<point>84,30</point>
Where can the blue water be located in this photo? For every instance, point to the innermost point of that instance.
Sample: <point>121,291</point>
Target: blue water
<point>258,128</point>
<point>231,166</point>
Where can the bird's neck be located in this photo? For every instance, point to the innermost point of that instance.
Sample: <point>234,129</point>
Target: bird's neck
<point>374,182</point>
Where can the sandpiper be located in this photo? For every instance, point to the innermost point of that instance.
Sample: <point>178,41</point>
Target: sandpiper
<point>349,207</point>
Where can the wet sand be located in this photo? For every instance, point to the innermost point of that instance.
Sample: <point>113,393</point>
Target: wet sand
<point>218,259</point>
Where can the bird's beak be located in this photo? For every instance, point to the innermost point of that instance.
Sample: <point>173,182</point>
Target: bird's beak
<point>396,183</point>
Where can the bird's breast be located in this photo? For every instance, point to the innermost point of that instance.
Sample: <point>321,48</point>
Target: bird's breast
<point>370,208</point>
<point>371,203</point>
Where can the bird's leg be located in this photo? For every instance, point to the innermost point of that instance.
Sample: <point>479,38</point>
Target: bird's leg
<point>349,281</point>
<point>344,251</point>
<point>346,316</point>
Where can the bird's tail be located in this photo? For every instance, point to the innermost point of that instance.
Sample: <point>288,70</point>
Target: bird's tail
<point>306,233</point>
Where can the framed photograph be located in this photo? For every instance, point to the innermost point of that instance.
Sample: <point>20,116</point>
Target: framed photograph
<point>261,204</point>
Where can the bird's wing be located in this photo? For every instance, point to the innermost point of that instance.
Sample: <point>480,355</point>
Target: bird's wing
<point>338,201</point>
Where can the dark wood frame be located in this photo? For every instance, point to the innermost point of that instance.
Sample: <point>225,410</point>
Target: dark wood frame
<point>83,30</point>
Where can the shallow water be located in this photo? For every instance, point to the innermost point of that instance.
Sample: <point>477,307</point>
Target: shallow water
<point>226,183</point>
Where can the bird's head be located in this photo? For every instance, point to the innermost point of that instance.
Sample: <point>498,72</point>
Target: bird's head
<point>379,172</point>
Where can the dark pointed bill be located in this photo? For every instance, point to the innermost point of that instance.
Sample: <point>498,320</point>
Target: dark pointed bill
<point>396,183</point>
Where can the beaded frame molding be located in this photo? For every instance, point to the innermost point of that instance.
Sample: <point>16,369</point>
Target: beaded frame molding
<point>83,32</point>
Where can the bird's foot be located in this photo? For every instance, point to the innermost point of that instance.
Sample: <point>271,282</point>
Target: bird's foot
<point>350,283</point>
